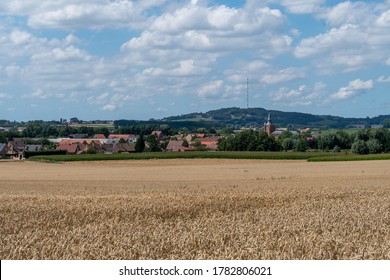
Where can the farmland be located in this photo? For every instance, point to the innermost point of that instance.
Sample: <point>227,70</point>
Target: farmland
<point>195,209</point>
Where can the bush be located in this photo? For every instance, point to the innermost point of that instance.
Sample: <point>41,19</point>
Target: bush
<point>336,149</point>
<point>91,151</point>
<point>373,146</point>
<point>359,147</point>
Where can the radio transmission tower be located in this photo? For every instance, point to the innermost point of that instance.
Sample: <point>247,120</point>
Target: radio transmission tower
<point>247,93</point>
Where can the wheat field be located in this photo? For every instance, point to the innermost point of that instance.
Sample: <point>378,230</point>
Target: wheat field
<point>195,209</point>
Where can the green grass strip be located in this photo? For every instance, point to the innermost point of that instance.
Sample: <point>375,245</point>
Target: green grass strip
<point>180,155</point>
<point>351,158</point>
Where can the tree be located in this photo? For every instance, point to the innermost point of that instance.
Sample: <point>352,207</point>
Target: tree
<point>383,137</point>
<point>153,143</point>
<point>336,149</point>
<point>122,141</point>
<point>300,145</point>
<point>359,147</point>
<point>363,134</point>
<point>74,120</point>
<point>140,144</point>
<point>91,150</point>
<point>386,123</point>
<point>287,144</point>
<point>373,146</point>
<point>199,147</point>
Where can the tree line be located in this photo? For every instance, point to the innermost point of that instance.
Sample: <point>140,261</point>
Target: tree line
<point>364,141</point>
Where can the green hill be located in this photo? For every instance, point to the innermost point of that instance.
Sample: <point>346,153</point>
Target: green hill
<point>255,117</point>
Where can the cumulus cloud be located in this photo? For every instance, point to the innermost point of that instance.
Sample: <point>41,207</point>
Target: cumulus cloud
<point>211,90</point>
<point>284,75</point>
<point>358,37</point>
<point>302,96</point>
<point>354,88</point>
<point>384,19</point>
<point>348,13</point>
<point>73,14</point>
<point>89,15</point>
<point>109,107</point>
<point>218,29</point>
<point>184,68</point>
<point>383,79</point>
<point>301,6</point>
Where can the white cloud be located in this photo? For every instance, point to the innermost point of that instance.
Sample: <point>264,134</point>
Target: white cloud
<point>283,75</point>
<point>301,6</point>
<point>347,36</point>
<point>73,14</point>
<point>109,107</point>
<point>219,30</point>
<point>348,13</point>
<point>383,79</point>
<point>185,68</point>
<point>384,19</point>
<point>358,38</point>
<point>303,96</point>
<point>354,88</point>
<point>4,95</point>
<point>217,91</point>
<point>244,70</point>
<point>89,15</point>
<point>211,90</point>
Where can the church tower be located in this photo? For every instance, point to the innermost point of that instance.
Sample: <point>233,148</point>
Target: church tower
<point>268,126</point>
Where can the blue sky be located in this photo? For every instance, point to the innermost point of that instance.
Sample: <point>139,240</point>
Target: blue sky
<point>141,59</point>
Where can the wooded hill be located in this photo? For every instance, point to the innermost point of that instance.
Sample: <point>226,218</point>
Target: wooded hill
<point>255,117</point>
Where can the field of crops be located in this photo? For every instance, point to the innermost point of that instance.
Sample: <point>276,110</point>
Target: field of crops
<point>195,209</point>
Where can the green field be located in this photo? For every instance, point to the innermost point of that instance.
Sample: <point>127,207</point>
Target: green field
<point>227,155</point>
<point>309,156</point>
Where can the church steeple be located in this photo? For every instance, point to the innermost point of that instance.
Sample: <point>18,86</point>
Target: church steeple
<point>268,126</point>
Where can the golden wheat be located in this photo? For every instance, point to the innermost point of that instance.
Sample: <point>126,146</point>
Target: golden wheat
<point>195,209</point>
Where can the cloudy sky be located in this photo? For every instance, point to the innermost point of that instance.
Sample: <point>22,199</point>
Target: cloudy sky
<point>141,59</point>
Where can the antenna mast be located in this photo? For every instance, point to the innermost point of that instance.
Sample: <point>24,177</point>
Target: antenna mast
<point>247,93</point>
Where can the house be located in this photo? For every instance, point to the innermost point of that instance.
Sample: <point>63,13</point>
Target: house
<point>123,148</point>
<point>174,145</point>
<point>3,150</point>
<point>159,134</point>
<point>210,142</point>
<point>99,136</point>
<point>15,149</point>
<point>177,146</point>
<point>71,148</point>
<point>78,136</point>
<point>131,138</point>
<point>30,148</point>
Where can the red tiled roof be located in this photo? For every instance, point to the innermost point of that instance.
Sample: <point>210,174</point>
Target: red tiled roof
<point>100,136</point>
<point>70,148</point>
<point>174,146</point>
<point>118,136</point>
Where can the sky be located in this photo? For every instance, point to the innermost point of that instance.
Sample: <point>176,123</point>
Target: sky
<point>143,59</point>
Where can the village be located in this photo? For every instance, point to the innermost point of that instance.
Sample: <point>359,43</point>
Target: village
<point>269,137</point>
<point>20,148</point>
<point>113,144</point>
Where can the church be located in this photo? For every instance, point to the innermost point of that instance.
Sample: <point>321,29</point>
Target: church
<point>268,126</point>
